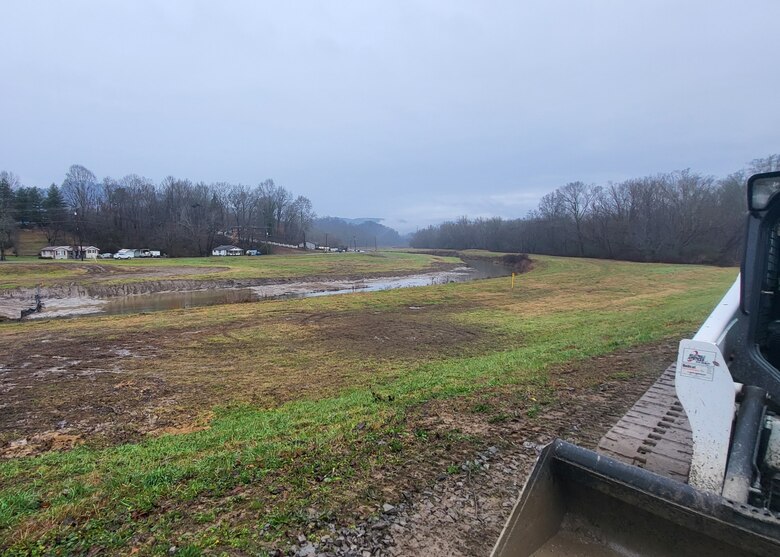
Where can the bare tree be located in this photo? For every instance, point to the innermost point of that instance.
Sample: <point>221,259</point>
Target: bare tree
<point>80,189</point>
<point>575,199</point>
<point>770,163</point>
<point>298,218</point>
<point>242,204</point>
<point>82,194</point>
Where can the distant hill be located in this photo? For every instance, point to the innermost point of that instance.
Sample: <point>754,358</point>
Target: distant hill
<point>358,220</point>
<point>365,232</point>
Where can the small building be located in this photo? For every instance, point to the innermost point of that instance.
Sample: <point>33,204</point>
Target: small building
<point>307,245</point>
<point>227,250</point>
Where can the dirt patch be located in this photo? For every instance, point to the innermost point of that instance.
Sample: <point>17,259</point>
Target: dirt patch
<point>75,386</point>
<point>200,425</point>
<point>42,442</point>
<point>412,333</point>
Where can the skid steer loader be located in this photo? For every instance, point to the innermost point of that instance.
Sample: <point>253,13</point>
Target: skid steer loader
<point>694,467</point>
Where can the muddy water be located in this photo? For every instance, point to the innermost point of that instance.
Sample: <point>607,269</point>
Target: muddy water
<point>81,305</point>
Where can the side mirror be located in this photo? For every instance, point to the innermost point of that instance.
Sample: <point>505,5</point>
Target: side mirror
<point>761,189</point>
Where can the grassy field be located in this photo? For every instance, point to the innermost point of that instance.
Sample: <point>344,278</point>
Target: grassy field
<point>234,425</point>
<point>31,242</point>
<point>29,272</point>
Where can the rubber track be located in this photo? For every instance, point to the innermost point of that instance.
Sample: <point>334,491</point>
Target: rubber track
<point>654,434</point>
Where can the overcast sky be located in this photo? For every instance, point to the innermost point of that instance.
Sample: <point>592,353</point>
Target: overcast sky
<point>411,111</point>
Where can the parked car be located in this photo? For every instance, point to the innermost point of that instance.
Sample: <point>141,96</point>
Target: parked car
<point>253,252</point>
<point>126,254</point>
<point>107,255</point>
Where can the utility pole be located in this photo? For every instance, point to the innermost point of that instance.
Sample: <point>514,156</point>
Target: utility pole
<point>303,228</point>
<point>78,235</point>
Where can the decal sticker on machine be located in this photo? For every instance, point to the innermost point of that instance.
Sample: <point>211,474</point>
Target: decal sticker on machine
<point>698,364</point>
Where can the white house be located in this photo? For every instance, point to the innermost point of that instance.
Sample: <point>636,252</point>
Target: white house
<point>90,252</point>
<point>55,252</point>
<point>227,250</point>
<point>69,252</point>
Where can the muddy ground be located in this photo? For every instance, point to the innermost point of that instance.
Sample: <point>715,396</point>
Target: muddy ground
<point>100,387</point>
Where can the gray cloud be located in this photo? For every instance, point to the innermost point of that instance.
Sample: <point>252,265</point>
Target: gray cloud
<point>414,111</point>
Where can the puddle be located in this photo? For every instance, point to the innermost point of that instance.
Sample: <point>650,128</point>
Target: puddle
<point>159,301</point>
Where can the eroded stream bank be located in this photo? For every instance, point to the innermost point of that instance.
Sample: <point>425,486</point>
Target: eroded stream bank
<point>74,300</point>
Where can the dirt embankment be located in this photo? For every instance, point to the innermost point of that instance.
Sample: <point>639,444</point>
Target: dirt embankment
<point>518,262</point>
<point>515,262</point>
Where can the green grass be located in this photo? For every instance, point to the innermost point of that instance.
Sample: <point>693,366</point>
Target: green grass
<point>259,470</point>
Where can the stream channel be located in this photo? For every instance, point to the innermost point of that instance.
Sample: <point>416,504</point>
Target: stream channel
<point>75,306</point>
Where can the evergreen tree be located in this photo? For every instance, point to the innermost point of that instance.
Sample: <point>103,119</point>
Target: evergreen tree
<point>7,220</point>
<point>28,206</point>
<point>54,218</point>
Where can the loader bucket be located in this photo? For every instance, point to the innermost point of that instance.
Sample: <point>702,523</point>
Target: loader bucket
<point>577,502</point>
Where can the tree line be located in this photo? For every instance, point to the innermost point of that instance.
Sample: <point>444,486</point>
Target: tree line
<point>676,217</point>
<point>177,216</point>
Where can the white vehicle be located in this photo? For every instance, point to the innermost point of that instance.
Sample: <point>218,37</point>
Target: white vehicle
<point>694,467</point>
<point>126,254</point>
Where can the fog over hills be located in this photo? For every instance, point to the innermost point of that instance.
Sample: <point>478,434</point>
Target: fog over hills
<point>363,232</point>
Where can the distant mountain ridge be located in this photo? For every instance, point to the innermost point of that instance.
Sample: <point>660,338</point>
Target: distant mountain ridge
<point>358,220</point>
<point>350,232</point>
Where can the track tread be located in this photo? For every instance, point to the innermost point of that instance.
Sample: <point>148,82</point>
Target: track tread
<point>654,434</point>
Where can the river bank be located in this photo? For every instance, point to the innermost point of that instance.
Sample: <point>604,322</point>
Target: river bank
<point>78,299</point>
